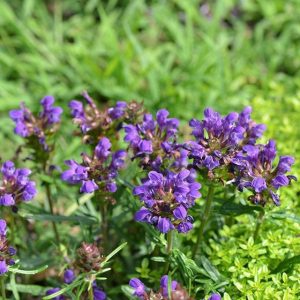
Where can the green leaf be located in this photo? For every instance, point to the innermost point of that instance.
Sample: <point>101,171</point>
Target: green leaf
<point>28,272</point>
<point>210,269</point>
<point>58,218</point>
<point>35,290</point>
<point>235,209</point>
<point>286,264</point>
<point>109,256</point>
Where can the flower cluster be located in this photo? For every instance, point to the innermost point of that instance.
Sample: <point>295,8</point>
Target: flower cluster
<point>176,291</point>
<point>256,172</point>
<point>218,139</point>
<point>6,251</point>
<point>95,123</point>
<point>88,259</point>
<point>37,127</point>
<point>153,140</point>
<point>16,185</point>
<point>97,172</point>
<point>166,200</point>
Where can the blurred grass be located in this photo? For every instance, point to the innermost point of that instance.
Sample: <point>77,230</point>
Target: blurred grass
<point>180,54</point>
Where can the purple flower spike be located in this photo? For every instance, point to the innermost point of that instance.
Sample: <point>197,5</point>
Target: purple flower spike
<point>16,186</point>
<point>97,172</point>
<point>28,125</point>
<point>166,200</point>
<point>139,288</point>
<point>256,172</point>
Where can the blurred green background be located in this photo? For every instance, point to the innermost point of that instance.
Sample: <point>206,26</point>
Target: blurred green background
<point>181,55</point>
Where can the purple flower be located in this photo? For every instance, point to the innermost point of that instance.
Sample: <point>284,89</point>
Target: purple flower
<point>28,125</point>
<point>215,297</point>
<point>98,293</point>
<point>164,285</point>
<point>166,200</point>
<point>139,288</point>
<point>256,172</point>
<point>94,122</point>
<point>153,140</point>
<point>118,111</point>
<point>69,276</point>
<point>3,267</point>
<point>97,172</point>
<point>16,185</point>
<point>218,139</point>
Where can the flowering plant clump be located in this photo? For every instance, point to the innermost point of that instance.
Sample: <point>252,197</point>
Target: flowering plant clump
<point>176,291</point>
<point>258,173</point>
<point>222,153</point>
<point>153,141</point>
<point>37,128</point>
<point>218,139</point>
<point>16,185</point>
<point>167,200</point>
<point>97,172</point>
<point>6,251</point>
<point>96,123</point>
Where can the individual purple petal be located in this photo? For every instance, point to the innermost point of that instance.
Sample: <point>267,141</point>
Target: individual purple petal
<point>164,225</point>
<point>259,184</point>
<point>69,276</point>
<point>138,286</point>
<point>280,180</point>
<point>215,297</point>
<point>142,215</point>
<point>7,200</point>
<point>180,212</point>
<point>3,267</point>
<point>111,187</point>
<point>2,227</point>
<point>89,186</point>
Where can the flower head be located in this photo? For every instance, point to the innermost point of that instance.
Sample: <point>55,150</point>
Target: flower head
<point>16,185</point>
<point>89,257</point>
<point>166,200</point>
<point>257,172</point>
<point>218,139</point>
<point>37,127</point>
<point>96,123</point>
<point>97,172</point>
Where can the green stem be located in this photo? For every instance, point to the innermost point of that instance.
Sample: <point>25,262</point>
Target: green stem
<point>50,201</point>
<point>207,209</point>
<point>104,222</point>
<point>258,224</point>
<point>169,249</point>
<point>91,292</point>
<point>3,293</point>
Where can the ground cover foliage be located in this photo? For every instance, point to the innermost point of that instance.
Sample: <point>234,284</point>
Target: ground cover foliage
<point>180,55</point>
